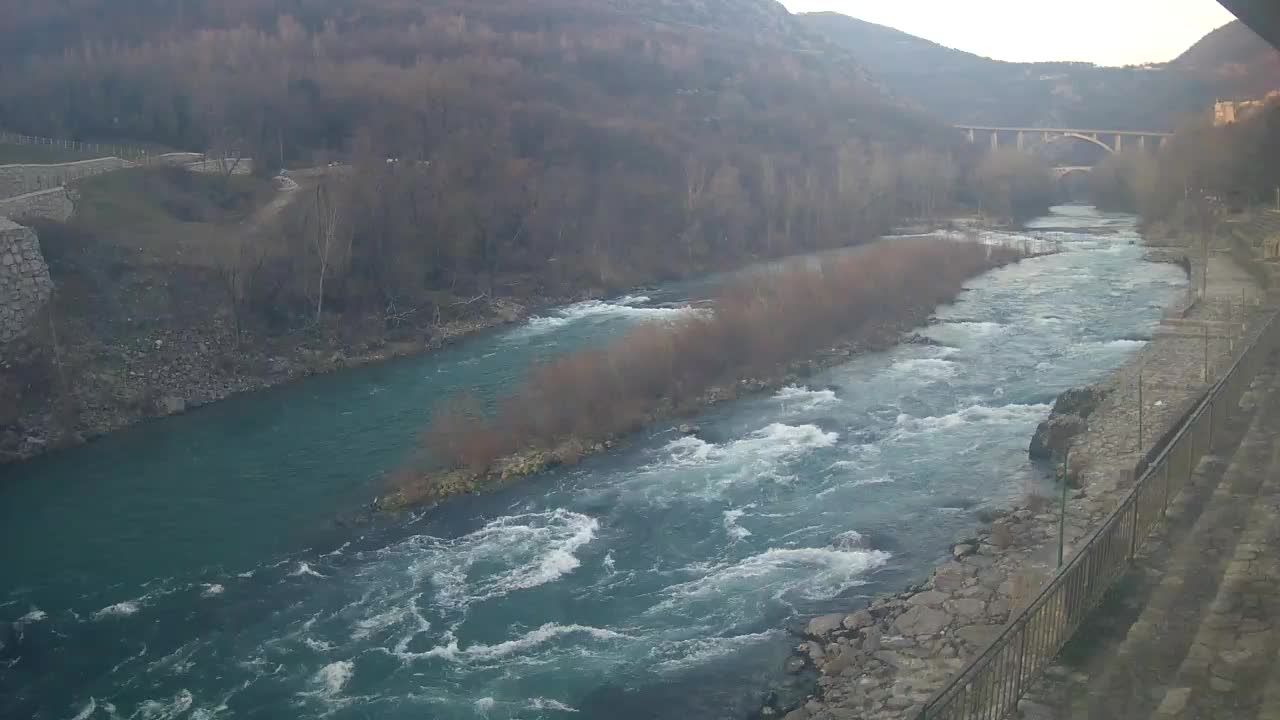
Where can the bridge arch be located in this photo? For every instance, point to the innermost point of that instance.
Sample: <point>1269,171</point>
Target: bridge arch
<point>1087,138</point>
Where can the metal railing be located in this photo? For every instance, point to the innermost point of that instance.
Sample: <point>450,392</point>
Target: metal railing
<point>126,152</point>
<point>990,686</point>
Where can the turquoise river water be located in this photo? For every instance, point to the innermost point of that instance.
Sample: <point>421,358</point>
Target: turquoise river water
<point>209,565</point>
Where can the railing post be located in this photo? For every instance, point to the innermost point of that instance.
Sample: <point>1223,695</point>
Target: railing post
<point>1133,535</point>
<point>1164,511</point>
<point>1213,419</point>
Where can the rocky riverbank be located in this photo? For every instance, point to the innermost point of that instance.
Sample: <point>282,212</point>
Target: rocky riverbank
<point>887,660</point>
<point>112,383</point>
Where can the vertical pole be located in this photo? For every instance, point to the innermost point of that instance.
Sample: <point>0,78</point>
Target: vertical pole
<point>1133,531</point>
<point>1062,515</point>
<point>995,139</point>
<point>1140,411</point>
<point>1206,353</point>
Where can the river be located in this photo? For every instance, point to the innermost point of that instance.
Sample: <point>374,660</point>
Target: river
<point>198,566</point>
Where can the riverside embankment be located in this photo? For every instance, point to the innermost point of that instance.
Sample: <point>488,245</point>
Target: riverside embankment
<point>198,566</point>
<point>887,660</point>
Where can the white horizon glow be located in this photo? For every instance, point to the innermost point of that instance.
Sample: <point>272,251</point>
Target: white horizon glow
<point>1105,32</point>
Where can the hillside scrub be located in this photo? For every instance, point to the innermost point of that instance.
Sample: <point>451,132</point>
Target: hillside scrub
<point>1233,165</point>
<point>758,325</point>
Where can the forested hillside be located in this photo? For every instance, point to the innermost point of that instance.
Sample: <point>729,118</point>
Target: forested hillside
<point>961,87</point>
<point>561,141</point>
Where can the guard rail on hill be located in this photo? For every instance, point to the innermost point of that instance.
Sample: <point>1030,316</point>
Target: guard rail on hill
<point>991,685</point>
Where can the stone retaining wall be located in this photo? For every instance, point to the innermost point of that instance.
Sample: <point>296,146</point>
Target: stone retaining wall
<point>54,204</point>
<point>25,284</point>
<point>23,179</point>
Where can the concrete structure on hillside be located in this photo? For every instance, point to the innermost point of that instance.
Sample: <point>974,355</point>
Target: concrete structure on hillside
<point>25,285</point>
<point>1113,141</point>
<point>1227,112</point>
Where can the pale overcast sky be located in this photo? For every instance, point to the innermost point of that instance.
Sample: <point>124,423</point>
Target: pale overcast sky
<point>1106,32</point>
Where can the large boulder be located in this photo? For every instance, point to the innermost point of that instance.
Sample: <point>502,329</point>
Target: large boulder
<point>1079,401</point>
<point>1054,436</point>
<point>922,620</point>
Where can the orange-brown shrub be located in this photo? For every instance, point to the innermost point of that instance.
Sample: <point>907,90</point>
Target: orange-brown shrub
<point>758,324</point>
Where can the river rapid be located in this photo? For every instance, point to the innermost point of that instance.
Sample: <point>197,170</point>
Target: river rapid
<point>192,567</point>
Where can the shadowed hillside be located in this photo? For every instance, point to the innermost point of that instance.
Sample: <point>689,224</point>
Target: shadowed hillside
<point>961,87</point>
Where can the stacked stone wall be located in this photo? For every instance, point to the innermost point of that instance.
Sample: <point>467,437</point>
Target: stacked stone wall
<point>52,204</point>
<point>25,285</point>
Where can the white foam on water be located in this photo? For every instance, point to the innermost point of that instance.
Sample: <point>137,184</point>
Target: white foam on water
<point>924,368</point>
<point>799,398</point>
<point>908,426</point>
<point>1125,344</point>
<point>484,705</point>
<point>534,549</point>
<point>736,532</point>
<point>155,710</point>
<point>596,309</point>
<point>480,652</point>
<point>761,450</point>
<point>88,709</point>
<point>317,645</point>
<point>979,329</point>
<point>212,590</point>
<point>779,440</point>
<point>608,563</point>
<point>333,678</point>
<point>305,569</point>
<point>120,609</point>
<point>35,615</point>
<point>689,450</point>
<point>540,703</point>
<point>849,540</point>
<point>811,572</point>
<point>683,654</point>
<point>391,617</point>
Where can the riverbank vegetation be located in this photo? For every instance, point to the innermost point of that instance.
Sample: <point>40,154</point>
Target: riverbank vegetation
<point>1230,165</point>
<point>457,162</point>
<point>757,328</point>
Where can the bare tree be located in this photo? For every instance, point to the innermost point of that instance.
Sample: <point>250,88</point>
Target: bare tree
<point>324,240</point>
<point>238,264</point>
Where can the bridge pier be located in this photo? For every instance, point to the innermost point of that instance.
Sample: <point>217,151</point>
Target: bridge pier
<point>995,139</point>
<point>1119,143</point>
<point>1020,135</point>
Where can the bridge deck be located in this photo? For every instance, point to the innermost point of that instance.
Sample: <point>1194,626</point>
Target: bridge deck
<point>1129,133</point>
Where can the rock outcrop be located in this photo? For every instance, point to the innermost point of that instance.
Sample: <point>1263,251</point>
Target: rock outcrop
<point>1066,421</point>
